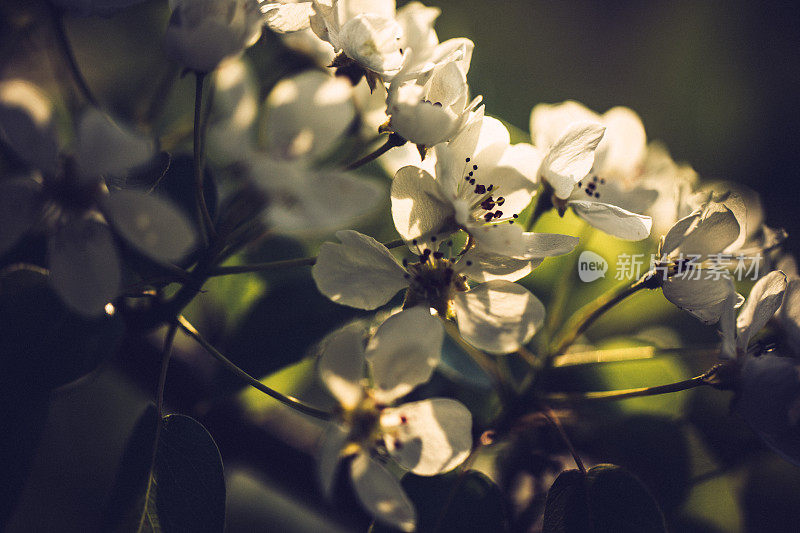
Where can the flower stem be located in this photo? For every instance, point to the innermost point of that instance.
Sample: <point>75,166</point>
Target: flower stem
<point>206,224</point>
<point>697,381</point>
<point>393,141</point>
<point>289,401</point>
<point>162,378</point>
<point>278,265</point>
<point>585,317</point>
<point>69,55</point>
<point>552,418</point>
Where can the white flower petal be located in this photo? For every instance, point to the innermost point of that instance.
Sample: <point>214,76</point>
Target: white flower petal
<point>703,298</point>
<point>20,208</point>
<point>308,114</point>
<point>707,231</point>
<point>539,245</point>
<point>549,121</point>
<point>622,150</point>
<point>524,158</point>
<point>105,149</point>
<point>381,494</point>
<point>201,33</point>
<point>329,456</point>
<point>305,200</point>
<point>417,206</point>
<point>341,364</point>
<point>84,268</point>
<point>570,159</point>
<point>349,9</point>
<point>375,42</point>
<point>418,120</point>
<point>613,220</point>
<point>501,239</point>
<point>764,300</point>
<point>283,18</point>
<point>403,352</point>
<point>153,225</point>
<point>433,436</point>
<point>27,124</point>
<point>482,266</point>
<point>498,316</point>
<point>790,313</point>
<point>360,272</point>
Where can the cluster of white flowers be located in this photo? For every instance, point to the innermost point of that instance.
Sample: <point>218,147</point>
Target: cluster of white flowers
<point>464,200</point>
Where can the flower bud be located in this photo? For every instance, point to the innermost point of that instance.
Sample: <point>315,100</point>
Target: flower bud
<point>201,33</point>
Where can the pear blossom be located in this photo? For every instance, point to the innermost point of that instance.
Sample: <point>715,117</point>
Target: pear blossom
<point>685,251</point>
<point>306,115</point>
<point>201,33</point>
<point>426,437</point>
<point>587,162</point>
<point>365,35</point>
<point>497,316</point>
<point>767,385</point>
<point>431,110</point>
<point>66,197</point>
<point>480,184</point>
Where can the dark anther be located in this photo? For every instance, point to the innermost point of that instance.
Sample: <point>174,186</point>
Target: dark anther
<point>597,195</point>
<point>469,263</point>
<point>602,181</point>
<point>490,187</point>
<point>488,204</point>
<point>472,181</point>
<point>480,189</point>
<point>467,160</point>
<point>405,262</point>
<point>501,200</point>
<point>488,217</point>
<point>403,419</point>
<point>474,167</point>
<point>498,214</point>
<point>414,242</point>
<point>470,173</point>
<point>433,238</point>
<point>438,255</point>
<point>515,216</point>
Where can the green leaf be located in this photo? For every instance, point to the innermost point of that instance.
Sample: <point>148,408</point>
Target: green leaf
<point>185,488</point>
<point>607,498</point>
<point>455,502</point>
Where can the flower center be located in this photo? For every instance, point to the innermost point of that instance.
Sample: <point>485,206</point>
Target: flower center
<point>433,280</point>
<point>592,186</point>
<point>484,204</point>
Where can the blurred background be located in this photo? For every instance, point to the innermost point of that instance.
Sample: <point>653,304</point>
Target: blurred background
<point>717,82</point>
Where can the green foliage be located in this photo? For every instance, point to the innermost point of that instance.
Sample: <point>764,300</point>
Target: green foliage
<point>607,498</point>
<point>183,489</point>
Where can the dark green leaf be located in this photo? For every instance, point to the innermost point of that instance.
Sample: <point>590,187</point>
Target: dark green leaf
<point>189,477</point>
<point>185,491</point>
<point>455,502</point>
<point>607,499</point>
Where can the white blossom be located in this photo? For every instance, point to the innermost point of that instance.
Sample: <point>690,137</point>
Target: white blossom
<point>307,115</point>
<point>426,437</point>
<point>497,316</point>
<point>589,161</point>
<point>66,197</point>
<point>201,33</point>
<point>480,184</point>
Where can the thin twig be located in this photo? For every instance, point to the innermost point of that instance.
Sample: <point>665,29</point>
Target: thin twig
<point>585,317</point>
<point>551,417</point>
<point>289,401</point>
<point>206,223</point>
<point>686,384</point>
<point>393,141</point>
